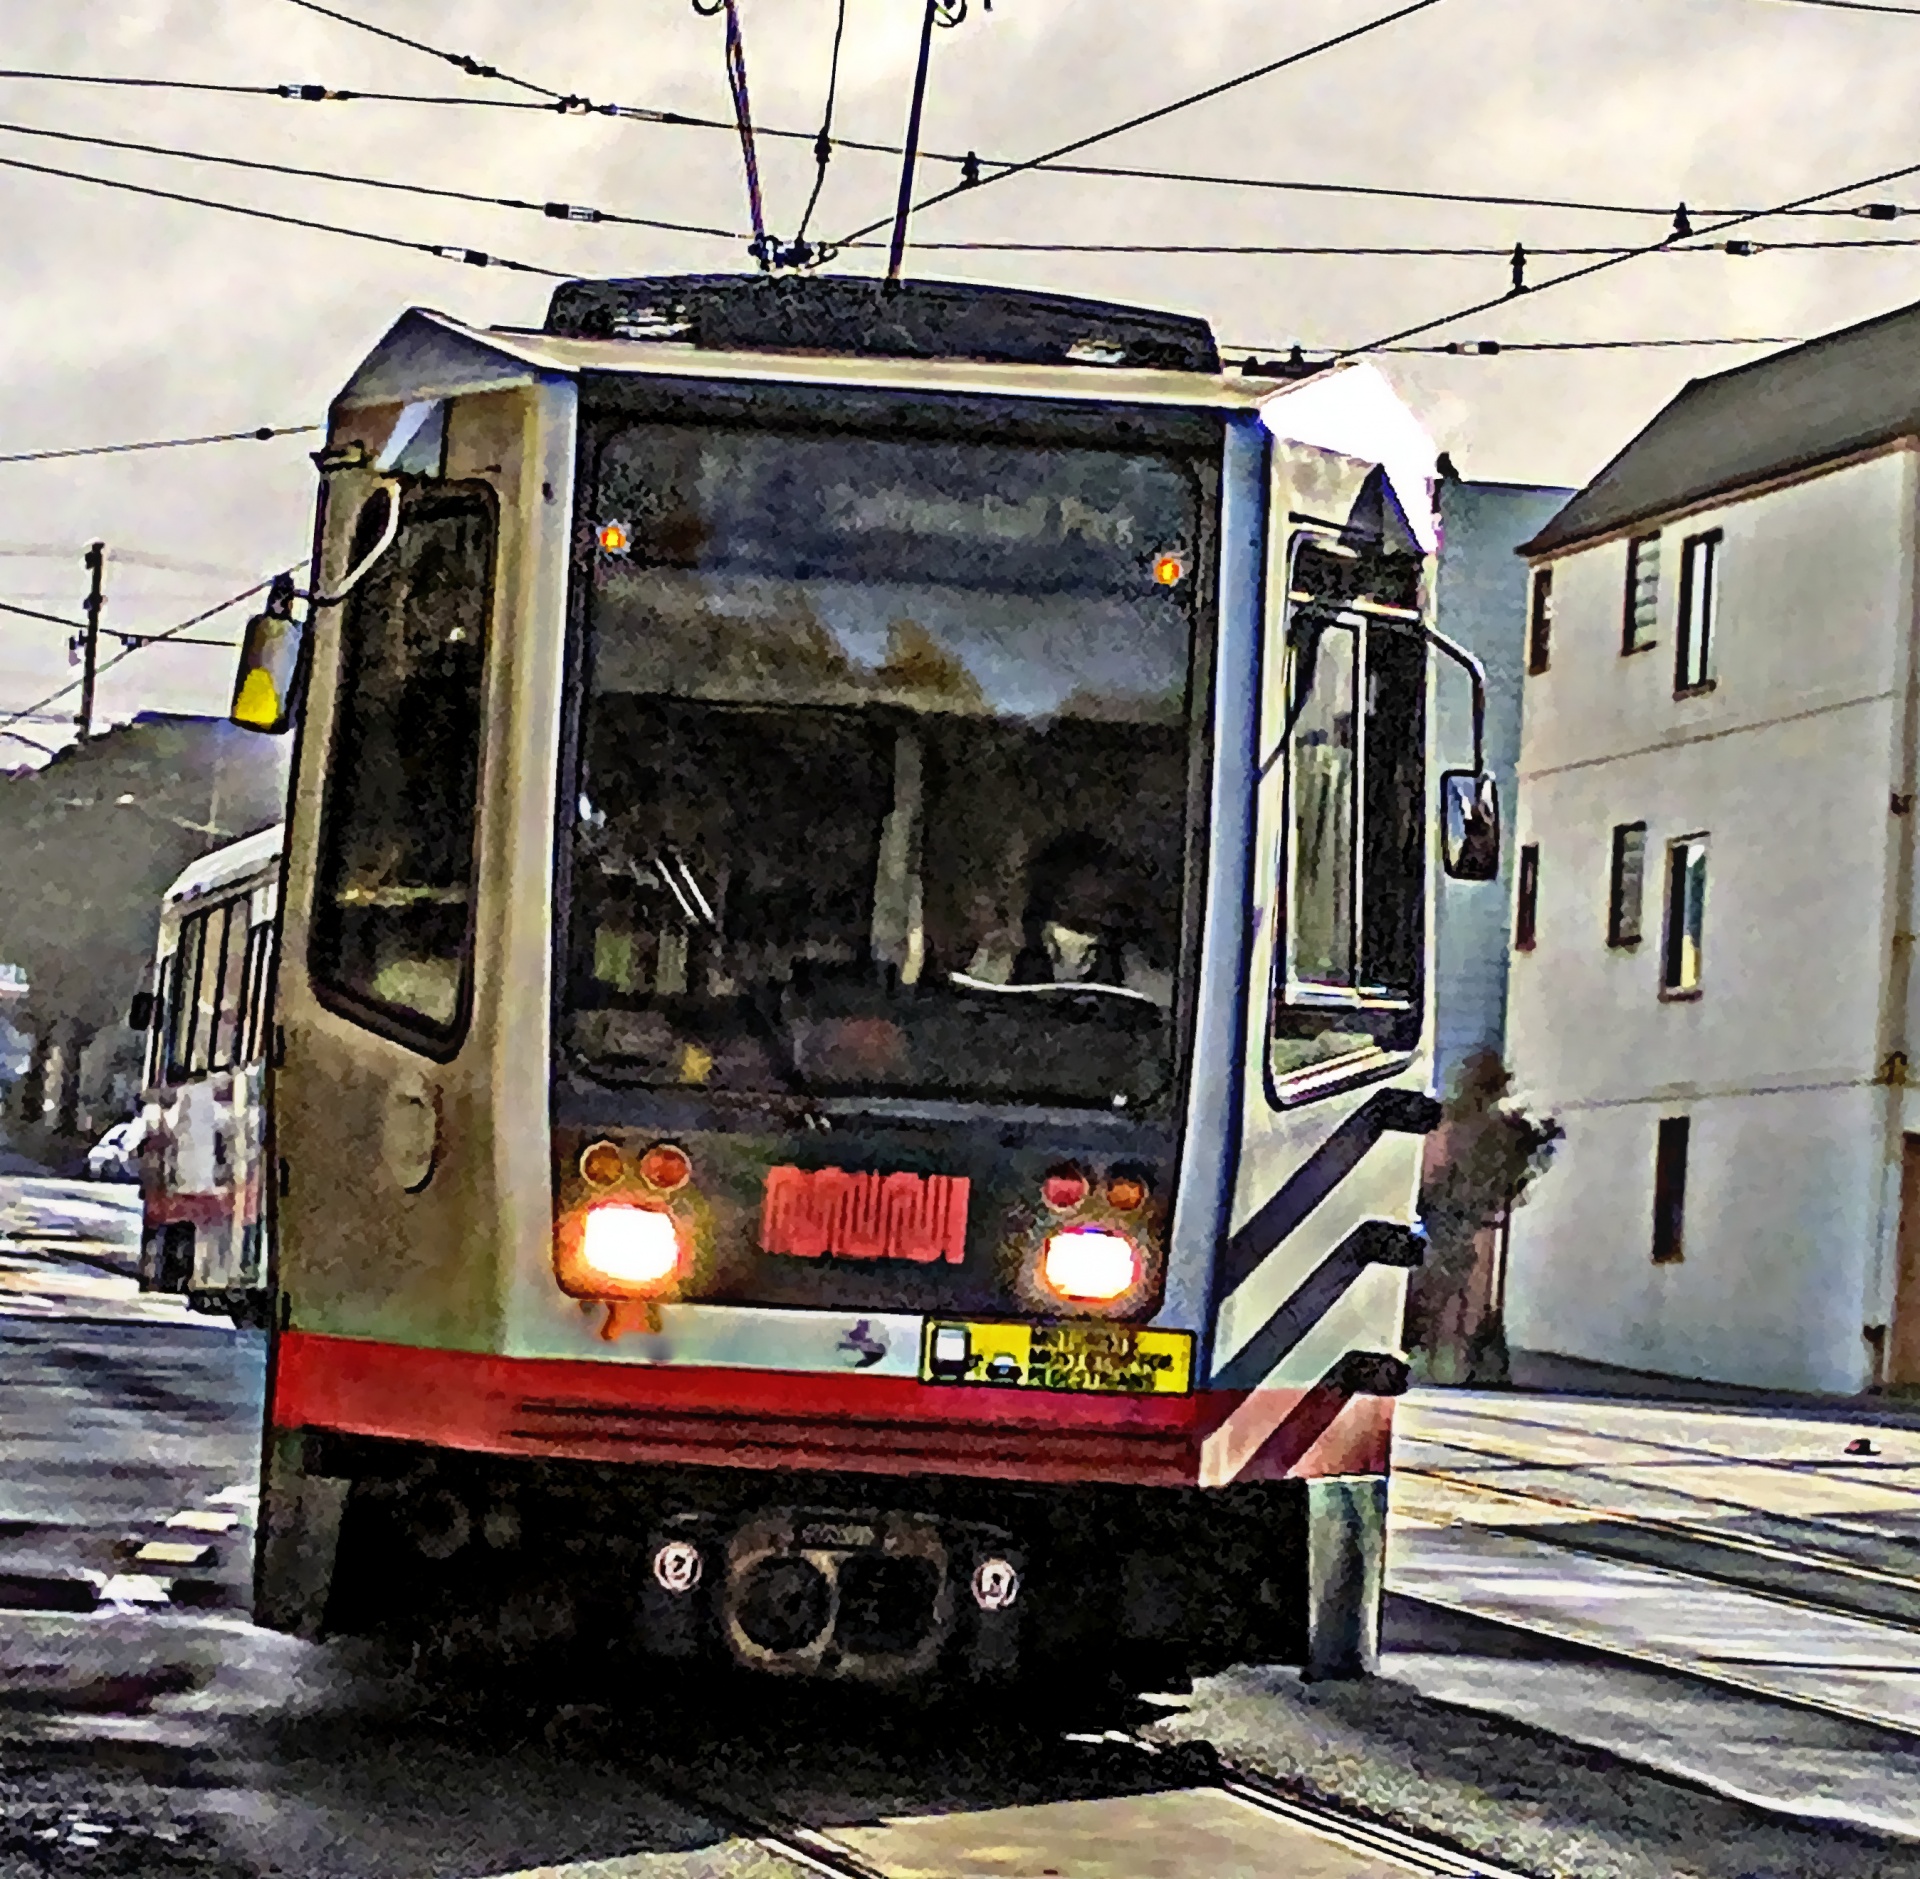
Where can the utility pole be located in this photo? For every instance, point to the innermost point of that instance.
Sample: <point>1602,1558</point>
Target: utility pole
<point>90,641</point>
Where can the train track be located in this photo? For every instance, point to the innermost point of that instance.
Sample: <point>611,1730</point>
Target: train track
<point>1189,1767</point>
<point>1700,1669</point>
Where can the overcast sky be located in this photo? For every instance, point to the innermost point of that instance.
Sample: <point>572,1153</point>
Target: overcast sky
<point>123,318</point>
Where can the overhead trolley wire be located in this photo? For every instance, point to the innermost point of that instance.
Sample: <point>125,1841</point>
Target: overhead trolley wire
<point>557,211</point>
<point>968,162</point>
<point>260,435</point>
<point>1617,260</point>
<point>473,257</point>
<point>1854,6</point>
<point>1158,112</point>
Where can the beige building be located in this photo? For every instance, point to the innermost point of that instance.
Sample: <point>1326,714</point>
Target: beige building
<point>1715,896</point>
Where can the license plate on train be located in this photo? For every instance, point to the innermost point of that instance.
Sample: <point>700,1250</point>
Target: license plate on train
<point>1109,1359</point>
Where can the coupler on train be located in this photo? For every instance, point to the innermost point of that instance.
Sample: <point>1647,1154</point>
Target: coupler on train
<point>936,1581</point>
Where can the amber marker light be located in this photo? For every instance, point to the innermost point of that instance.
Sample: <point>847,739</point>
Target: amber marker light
<point>1126,1193</point>
<point>665,1167</point>
<point>1170,570</point>
<point>601,1164</point>
<point>634,1247</point>
<point>1089,1265</point>
<point>614,539</point>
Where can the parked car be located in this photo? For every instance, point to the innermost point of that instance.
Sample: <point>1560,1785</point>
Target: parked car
<point>116,1156</point>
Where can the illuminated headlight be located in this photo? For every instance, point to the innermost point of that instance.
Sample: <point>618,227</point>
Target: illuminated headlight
<point>1087,1264</point>
<point>630,1245</point>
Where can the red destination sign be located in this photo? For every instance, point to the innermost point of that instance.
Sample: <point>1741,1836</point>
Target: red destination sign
<point>808,1212</point>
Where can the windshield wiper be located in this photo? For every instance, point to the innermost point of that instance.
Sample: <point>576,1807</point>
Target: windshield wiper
<point>970,984</point>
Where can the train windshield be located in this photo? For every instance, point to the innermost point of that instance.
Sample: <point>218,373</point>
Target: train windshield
<point>883,766</point>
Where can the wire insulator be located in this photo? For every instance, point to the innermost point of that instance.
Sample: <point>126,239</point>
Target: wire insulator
<point>1743,247</point>
<point>1518,262</point>
<point>1682,224</point>
<point>571,212</point>
<point>471,256</point>
<point>969,170</point>
<point>1880,211</point>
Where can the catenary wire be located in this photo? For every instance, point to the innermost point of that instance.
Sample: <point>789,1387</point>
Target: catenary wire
<point>1160,111</point>
<point>1488,348</point>
<point>259,435</point>
<point>686,121</point>
<point>473,257</point>
<point>557,211</point>
<point>1613,261</point>
<point>1854,6</point>
<point>1740,248</point>
<point>466,63</point>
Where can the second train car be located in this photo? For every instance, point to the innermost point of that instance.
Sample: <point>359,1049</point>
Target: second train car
<point>853,1027</point>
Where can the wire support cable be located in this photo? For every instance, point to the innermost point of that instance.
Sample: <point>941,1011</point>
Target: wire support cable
<point>472,257</point>
<point>139,642</point>
<point>1854,6</point>
<point>262,434</point>
<point>1619,260</point>
<point>555,211</point>
<point>1297,361</point>
<point>1158,112</point>
<point>822,144</point>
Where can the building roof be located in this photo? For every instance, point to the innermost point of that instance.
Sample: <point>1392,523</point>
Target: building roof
<point>1792,411</point>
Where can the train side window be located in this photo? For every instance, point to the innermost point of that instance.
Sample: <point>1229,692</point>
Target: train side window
<point>185,1002</point>
<point>228,1005</point>
<point>161,1027</point>
<point>1354,837</point>
<point>255,993</point>
<point>392,919</point>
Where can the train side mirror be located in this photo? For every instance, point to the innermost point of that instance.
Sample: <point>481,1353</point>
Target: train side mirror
<point>1469,825</point>
<point>269,663</point>
<point>140,1014</point>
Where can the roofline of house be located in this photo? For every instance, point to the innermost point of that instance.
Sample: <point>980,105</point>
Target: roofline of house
<point>1719,497</point>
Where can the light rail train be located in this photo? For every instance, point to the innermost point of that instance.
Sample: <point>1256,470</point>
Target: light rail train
<point>853,1022</point>
<point>203,1170</point>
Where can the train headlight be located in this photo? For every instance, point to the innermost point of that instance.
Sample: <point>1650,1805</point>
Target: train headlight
<point>1088,1264</point>
<point>633,1247</point>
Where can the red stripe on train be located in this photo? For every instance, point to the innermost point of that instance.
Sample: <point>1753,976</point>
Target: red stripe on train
<point>736,1418</point>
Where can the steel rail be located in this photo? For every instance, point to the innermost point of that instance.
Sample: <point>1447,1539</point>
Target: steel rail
<point>820,1853</point>
<point>1836,1564</point>
<point>1701,1670</point>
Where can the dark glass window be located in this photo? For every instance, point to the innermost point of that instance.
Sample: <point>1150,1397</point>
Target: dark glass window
<point>1526,900</point>
<point>1540,621</point>
<point>203,992</point>
<point>884,764</point>
<point>1699,595</point>
<point>393,902</point>
<point>1642,608</point>
<point>1355,830</point>
<point>1670,1190</point>
<point>1627,883</point>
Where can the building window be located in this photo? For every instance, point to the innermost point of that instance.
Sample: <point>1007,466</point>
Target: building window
<point>1526,910</point>
<point>1626,883</point>
<point>1699,567</point>
<point>1686,910</point>
<point>1643,593</point>
<point>1670,1191</point>
<point>1540,621</point>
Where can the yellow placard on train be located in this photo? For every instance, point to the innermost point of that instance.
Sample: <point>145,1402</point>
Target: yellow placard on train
<point>1111,1359</point>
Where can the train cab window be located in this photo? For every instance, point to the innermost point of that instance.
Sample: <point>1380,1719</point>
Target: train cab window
<point>1347,982</point>
<point>393,904</point>
<point>884,766</point>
